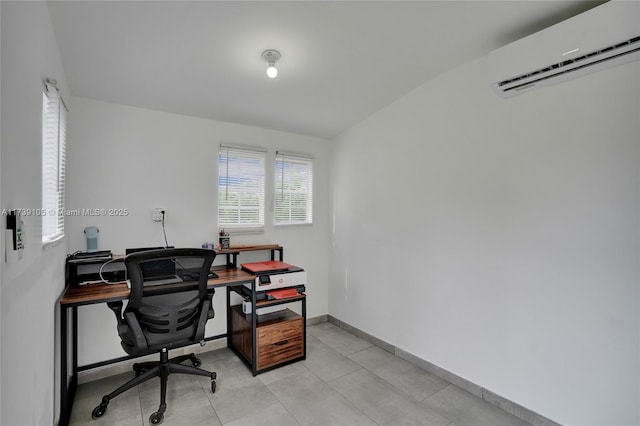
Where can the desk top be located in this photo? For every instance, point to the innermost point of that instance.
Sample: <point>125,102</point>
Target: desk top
<point>100,293</point>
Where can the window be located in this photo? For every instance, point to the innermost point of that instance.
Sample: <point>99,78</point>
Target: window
<point>54,141</point>
<point>293,189</point>
<point>241,189</point>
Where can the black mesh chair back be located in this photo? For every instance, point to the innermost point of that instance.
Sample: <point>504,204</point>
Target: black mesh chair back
<point>168,296</point>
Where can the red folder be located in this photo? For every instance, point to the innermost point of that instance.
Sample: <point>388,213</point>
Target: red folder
<point>269,266</point>
<point>282,294</point>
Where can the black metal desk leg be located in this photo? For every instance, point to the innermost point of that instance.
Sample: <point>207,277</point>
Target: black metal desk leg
<point>74,352</point>
<point>304,327</point>
<point>228,317</point>
<point>64,344</point>
<point>68,387</point>
<point>254,325</point>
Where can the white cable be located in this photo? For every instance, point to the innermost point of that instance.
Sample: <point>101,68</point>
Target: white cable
<point>103,265</point>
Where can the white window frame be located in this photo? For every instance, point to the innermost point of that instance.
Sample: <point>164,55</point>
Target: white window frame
<point>287,167</point>
<point>241,172</point>
<point>54,152</point>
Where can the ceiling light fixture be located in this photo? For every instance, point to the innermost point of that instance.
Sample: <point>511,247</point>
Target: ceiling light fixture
<point>271,56</point>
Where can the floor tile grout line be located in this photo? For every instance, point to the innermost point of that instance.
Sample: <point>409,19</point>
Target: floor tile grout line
<point>344,375</point>
<point>332,349</point>
<point>140,404</point>
<point>402,393</point>
<point>336,391</point>
<point>210,402</point>
<point>345,331</point>
<point>397,388</point>
<point>278,399</point>
<point>440,390</point>
<point>348,399</point>
<point>435,393</point>
<point>280,402</point>
<point>417,401</point>
<point>342,396</point>
<point>272,394</point>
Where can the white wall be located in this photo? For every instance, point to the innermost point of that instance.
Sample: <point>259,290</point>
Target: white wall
<point>505,237</point>
<point>1,240</point>
<point>138,159</point>
<point>30,287</point>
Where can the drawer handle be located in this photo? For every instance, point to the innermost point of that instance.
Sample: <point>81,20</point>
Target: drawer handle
<point>284,342</point>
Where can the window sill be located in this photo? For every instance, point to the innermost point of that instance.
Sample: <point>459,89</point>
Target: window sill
<point>242,231</point>
<point>46,245</point>
<point>286,225</point>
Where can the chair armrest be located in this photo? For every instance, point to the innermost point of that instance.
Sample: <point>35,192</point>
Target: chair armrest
<point>135,332</point>
<point>116,307</point>
<point>204,316</point>
<point>211,313</point>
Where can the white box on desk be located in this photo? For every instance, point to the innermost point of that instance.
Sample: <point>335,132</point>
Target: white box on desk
<point>246,308</point>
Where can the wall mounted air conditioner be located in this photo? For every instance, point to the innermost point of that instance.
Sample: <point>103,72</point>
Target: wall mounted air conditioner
<point>602,37</point>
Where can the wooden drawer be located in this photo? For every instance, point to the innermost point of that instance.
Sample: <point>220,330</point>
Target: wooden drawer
<point>279,342</point>
<point>279,336</point>
<point>279,331</point>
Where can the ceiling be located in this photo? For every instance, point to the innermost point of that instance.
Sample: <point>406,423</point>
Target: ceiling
<point>341,61</point>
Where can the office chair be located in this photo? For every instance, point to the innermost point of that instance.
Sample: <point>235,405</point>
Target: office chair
<point>162,315</point>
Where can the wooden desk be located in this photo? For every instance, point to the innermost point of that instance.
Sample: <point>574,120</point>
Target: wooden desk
<point>90,294</point>
<point>101,293</point>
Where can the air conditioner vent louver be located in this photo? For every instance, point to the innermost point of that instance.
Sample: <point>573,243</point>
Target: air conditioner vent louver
<point>615,24</point>
<point>576,61</point>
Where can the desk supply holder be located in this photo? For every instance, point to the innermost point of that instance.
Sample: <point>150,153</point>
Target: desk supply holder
<point>91,233</point>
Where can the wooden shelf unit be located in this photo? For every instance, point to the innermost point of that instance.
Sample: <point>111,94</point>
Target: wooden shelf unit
<point>267,341</point>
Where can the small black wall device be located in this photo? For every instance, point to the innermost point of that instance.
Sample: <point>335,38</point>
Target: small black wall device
<point>14,223</point>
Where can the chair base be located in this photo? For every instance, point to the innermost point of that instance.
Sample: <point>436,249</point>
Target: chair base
<point>148,370</point>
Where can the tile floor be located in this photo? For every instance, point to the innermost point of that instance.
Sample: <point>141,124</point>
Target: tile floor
<point>344,381</point>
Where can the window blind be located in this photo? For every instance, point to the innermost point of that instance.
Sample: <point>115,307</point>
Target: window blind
<point>241,179</point>
<point>293,189</point>
<point>54,142</point>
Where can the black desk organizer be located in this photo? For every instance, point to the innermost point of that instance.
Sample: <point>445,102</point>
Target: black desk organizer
<point>81,267</point>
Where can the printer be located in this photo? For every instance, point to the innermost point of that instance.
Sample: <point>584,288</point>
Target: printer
<point>272,275</point>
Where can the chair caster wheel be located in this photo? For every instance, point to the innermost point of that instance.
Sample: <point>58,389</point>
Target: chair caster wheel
<point>213,386</point>
<point>195,361</point>
<point>156,418</point>
<point>98,411</point>
<point>138,370</point>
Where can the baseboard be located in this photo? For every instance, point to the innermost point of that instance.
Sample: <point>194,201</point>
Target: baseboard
<point>475,389</point>
<point>361,334</point>
<point>517,409</point>
<point>317,320</point>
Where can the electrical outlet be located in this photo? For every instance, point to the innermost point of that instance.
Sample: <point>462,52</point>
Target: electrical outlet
<point>156,214</point>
